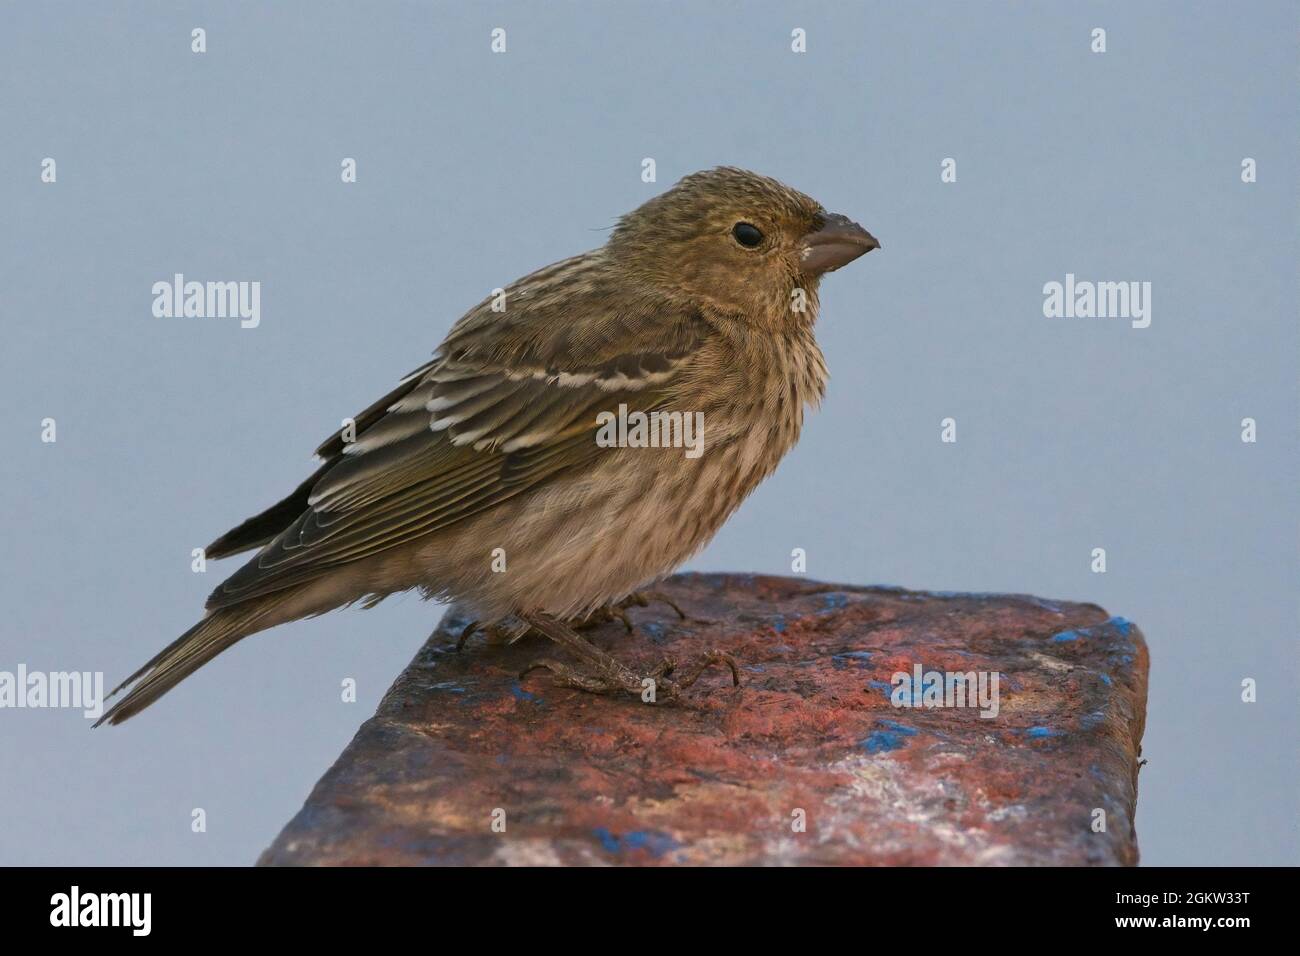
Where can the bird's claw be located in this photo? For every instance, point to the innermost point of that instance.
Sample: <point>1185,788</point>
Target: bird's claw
<point>611,612</point>
<point>598,680</point>
<point>465,635</point>
<point>615,677</point>
<point>688,675</point>
<point>643,599</point>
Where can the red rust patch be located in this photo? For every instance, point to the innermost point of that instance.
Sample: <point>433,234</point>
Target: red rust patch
<point>720,777</point>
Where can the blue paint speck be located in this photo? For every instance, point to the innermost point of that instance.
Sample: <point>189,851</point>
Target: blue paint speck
<point>1116,625</point>
<point>520,693</point>
<point>893,738</point>
<point>881,741</point>
<point>1041,731</point>
<point>652,841</point>
<point>834,600</point>
<point>901,728</point>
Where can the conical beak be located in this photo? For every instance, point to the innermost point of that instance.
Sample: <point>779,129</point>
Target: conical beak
<point>837,243</point>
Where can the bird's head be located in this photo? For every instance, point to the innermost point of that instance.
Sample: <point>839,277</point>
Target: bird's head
<point>738,241</point>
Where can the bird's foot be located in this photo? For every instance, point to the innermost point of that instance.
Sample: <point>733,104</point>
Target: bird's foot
<point>602,615</point>
<point>689,674</point>
<point>613,678</point>
<point>610,612</point>
<point>465,634</point>
<point>643,599</point>
<point>618,611</point>
<point>605,674</point>
<point>500,632</point>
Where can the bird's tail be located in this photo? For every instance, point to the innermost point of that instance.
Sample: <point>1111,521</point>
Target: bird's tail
<point>205,640</point>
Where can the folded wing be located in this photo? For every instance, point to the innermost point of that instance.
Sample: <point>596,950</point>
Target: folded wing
<point>500,410</point>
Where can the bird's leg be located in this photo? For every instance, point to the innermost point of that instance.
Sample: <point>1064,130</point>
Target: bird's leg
<point>618,611</point>
<point>643,599</point>
<point>610,612</point>
<point>606,674</point>
<point>594,619</point>
<point>465,634</point>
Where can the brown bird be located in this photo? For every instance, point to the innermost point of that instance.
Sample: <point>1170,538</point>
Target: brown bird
<point>702,302</point>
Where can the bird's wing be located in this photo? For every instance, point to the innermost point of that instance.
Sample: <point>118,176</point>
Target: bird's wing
<point>506,406</point>
<point>262,527</point>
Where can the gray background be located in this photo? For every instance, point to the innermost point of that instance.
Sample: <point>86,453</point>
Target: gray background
<point>476,168</point>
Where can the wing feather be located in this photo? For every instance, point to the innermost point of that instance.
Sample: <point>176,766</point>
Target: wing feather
<point>507,405</point>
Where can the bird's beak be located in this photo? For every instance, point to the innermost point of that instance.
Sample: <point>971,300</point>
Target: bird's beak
<point>835,244</point>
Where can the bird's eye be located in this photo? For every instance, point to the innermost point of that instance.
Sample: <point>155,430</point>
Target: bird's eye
<point>747,234</point>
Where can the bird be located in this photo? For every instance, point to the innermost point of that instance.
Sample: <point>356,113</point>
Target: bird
<point>702,301</point>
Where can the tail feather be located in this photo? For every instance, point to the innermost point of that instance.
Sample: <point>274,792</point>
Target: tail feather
<point>183,656</point>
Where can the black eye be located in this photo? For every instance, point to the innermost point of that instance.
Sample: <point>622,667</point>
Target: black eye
<point>747,234</point>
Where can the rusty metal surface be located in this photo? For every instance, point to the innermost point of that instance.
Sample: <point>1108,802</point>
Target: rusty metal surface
<point>721,777</point>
